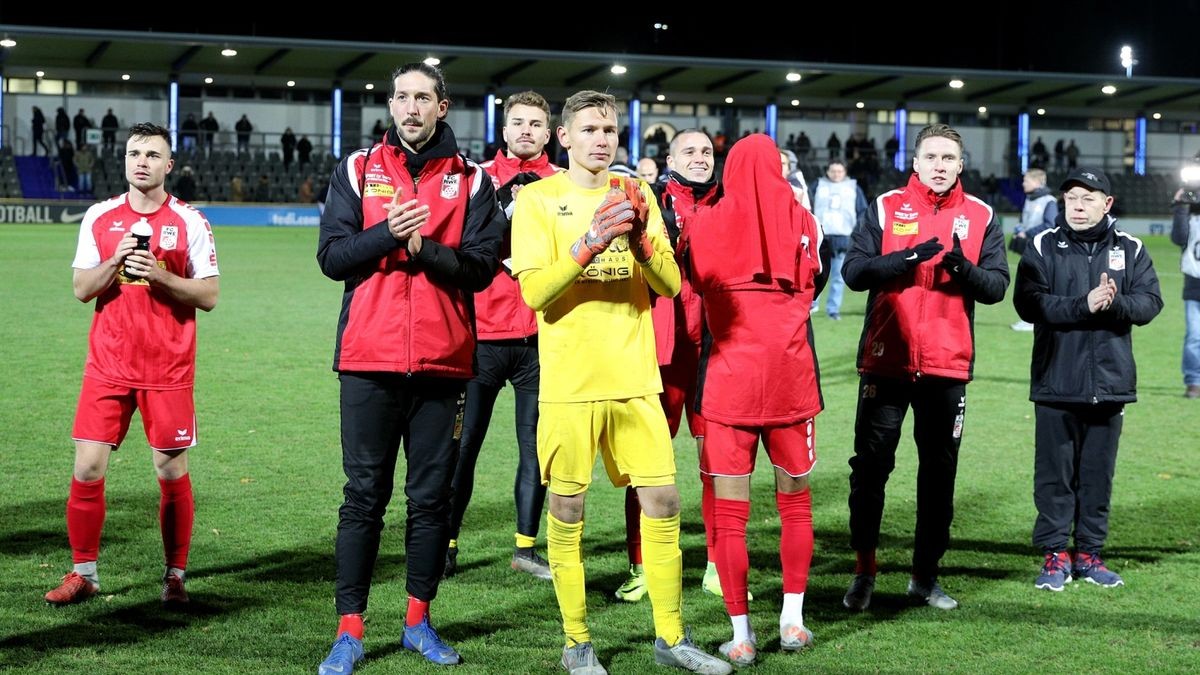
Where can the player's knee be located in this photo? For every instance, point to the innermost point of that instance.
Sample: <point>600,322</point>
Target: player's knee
<point>659,502</point>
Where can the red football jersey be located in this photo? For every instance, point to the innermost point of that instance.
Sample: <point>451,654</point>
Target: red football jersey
<point>140,336</point>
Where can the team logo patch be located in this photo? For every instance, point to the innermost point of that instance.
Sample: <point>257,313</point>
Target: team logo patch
<point>906,212</point>
<point>905,229</point>
<point>564,210</point>
<point>962,226</point>
<point>450,184</point>
<point>168,237</point>
<point>1116,259</point>
<point>379,190</point>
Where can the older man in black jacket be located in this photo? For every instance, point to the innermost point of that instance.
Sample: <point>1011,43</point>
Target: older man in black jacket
<point>1083,284</point>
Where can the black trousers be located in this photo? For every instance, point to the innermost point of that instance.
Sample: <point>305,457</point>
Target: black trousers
<point>1075,457</point>
<point>381,412</point>
<point>517,362</point>
<point>938,406</point>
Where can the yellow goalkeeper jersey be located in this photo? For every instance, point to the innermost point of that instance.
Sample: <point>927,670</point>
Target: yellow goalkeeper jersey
<point>595,335</point>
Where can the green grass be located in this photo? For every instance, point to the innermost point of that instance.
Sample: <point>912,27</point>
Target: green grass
<point>267,476</point>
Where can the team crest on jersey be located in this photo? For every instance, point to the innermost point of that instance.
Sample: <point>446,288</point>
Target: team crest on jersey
<point>168,238</point>
<point>1116,259</point>
<point>961,226</point>
<point>450,183</point>
<point>904,229</point>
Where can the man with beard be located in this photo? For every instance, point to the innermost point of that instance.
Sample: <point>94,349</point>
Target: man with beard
<point>507,351</point>
<point>410,260</point>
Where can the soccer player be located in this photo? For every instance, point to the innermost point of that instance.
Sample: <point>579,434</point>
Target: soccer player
<point>141,354</point>
<point>755,260</point>
<point>410,259</point>
<point>918,349</point>
<point>507,350</point>
<point>588,248</point>
<point>688,189</point>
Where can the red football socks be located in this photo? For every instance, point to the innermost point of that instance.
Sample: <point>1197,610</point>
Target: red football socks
<point>352,624</point>
<point>85,519</point>
<point>176,513</point>
<point>733,560</point>
<point>795,538</point>
<point>417,611</point>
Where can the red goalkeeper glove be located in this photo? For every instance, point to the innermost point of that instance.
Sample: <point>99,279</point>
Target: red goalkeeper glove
<point>613,218</point>
<point>639,243</point>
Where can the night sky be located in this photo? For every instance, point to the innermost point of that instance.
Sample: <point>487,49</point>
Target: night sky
<point>1068,37</point>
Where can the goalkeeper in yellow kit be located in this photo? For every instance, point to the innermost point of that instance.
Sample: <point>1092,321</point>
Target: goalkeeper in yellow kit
<point>587,249</point>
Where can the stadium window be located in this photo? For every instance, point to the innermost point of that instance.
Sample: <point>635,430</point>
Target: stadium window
<point>20,85</point>
<point>50,87</point>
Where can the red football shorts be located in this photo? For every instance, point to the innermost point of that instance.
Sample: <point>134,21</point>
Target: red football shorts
<point>730,451</point>
<point>105,410</point>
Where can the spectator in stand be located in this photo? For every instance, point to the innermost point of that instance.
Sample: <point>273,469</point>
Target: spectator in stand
<point>834,146</point>
<point>109,126</point>
<point>262,191</point>
<point>210,126</point>
<point>85,161</point>
<point>1060,155</point>
<point>39,129</point>
<point>66,159</point>
<point>288,141</point>
<point>243,128</point>
<point>892,147</point>
<point>62,126</point>
<point>237,189</point>
<point>378,130</point>
<point>185,187</point>
<point>1072,155</point>
<point>305,194</point>
<point>304,148</point>
<point>190,130</point>
<point>82,124</point>
<point>803,147</point>
<point>1040,156</point>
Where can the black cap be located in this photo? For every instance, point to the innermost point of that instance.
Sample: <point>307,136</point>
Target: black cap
<point>1092,179</point>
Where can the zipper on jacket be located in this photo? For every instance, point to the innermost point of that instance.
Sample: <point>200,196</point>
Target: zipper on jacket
<point>408,293</point>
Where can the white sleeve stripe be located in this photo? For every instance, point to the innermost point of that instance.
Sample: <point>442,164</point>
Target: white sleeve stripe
<point>1137,242</point>
<point>476,180</point>
<point>1037,239</point>
<point>352,172</point>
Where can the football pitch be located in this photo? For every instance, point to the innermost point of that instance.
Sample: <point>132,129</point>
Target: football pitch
<point>267,477</point>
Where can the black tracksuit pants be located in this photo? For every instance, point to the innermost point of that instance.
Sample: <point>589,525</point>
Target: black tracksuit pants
<point>938,406</point>
<point>499,361</point>
<point>381,412</point>
<point>1075,457</point>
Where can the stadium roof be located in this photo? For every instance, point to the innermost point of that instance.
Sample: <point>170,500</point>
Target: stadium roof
<point>268,62</point>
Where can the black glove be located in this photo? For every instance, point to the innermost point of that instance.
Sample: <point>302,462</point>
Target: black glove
<point>955,262</point>
<point>505,195</point>
<point>909,258</point>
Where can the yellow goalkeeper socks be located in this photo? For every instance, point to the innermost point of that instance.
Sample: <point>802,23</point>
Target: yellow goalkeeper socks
<point>566,568</point>
<point>664,575</point>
